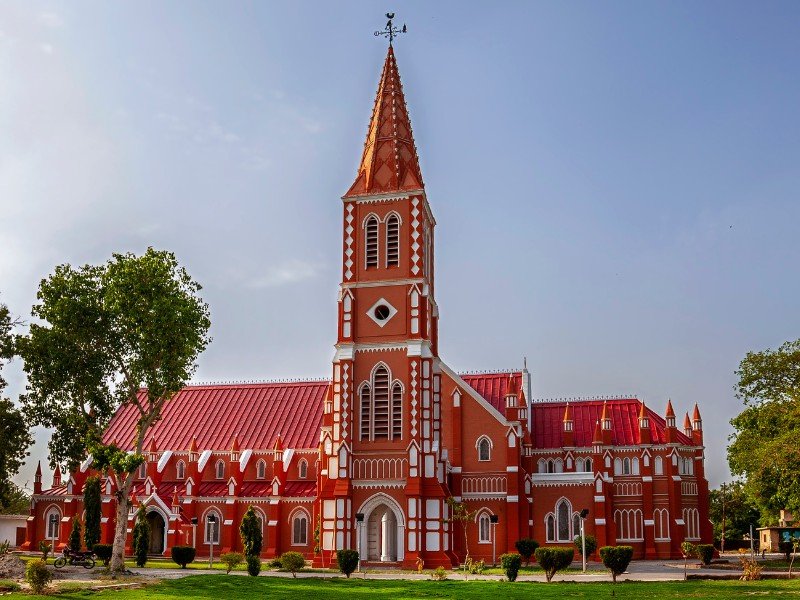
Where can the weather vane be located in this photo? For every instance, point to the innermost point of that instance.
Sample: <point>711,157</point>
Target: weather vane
<point>390,30</point>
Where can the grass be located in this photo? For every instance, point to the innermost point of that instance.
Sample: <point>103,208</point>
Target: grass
<point>6,585</point>
<point>208,587</point>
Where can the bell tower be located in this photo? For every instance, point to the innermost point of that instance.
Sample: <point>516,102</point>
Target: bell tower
<point>380,435</point>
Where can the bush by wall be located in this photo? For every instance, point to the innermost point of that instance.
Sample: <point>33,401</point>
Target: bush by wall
<point>554,559</point>
<point>591,544</point>
<point>183,555</point>
<point>705,552</point>
<point>231,560</point>
<point>511,563</point>
<point>526,547</point>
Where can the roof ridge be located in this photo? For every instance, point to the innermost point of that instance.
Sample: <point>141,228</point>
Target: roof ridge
<point>258,381</point>
<point>628,397</point>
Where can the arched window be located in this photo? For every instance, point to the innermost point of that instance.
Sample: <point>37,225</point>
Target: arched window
<point>484,529</point>
<point>392,241</point>
<point>302,469</point>
<point>579,465</point>
<point>542,465</point>
<point>630,525</point>
<point>588,465</point>
<point>559,465</point>
<point>212,526</point>
<point>661,522</point>
<point>366,411</point>
<point>658,466</point>
<point>219,469</point>
<point>300,529</point>
<point>576,525</point>
<point>635,466</point>
<point>550,524</point>
<point>180,470</point>
<point>371,241</point>
<point>617,466</point>
<point>381,419</point>
<point>53,521</point>
<point>626,466</point>
<point>261,469</point>
<point>563,517</point>
<point>143,470</point>
<point>397,411</point>
<point>484,449</point>
<point>551,466</point>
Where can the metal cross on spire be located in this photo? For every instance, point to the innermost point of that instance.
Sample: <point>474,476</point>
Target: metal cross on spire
<point>390,30</point>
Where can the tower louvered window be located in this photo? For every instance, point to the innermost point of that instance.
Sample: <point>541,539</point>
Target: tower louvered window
<point>380,398</point>
<point>371,242</point>
<point>397,411</point>
<point>392,241</point>
<point>366,411</point>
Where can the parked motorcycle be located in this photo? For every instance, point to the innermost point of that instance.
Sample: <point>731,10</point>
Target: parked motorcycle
<point>70,557</point>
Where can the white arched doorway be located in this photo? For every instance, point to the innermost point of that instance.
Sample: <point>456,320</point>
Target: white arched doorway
<point>382,533</point>
<point>158,531</point>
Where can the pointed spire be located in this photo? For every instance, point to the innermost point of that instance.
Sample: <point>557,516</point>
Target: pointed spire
<point>511,389</point>
<point>235,444</point>
<point>39,470</point>
<point>389,162</point>
<point>642,412</point>
<point>56,477</point>
<point>152,447</point>
<point>605,418</point>
<point>567,413</point>
<point>597,438</point>
<point>521,398</point>
<point>193,445</point>
<point>670,411</point>
<point>279,444</point>
<point>687,425</point>
<point>696,414</point>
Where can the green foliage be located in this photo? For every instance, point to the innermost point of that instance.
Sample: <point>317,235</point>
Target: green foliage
<point>769,386</point>
<point>348,561</point>
<point>75,535</point>
<point>705,552</point>
<point>183,555</point>
<point>439,574</point>
<point>616,559</point>
<point>141,537</point>
<point>553,559</point>
<point>292,562</point>
<point>45,548</point>
<point>740,511</point>
<point>526,547</point>
<point>591,544</point>
<point>250,532</point>
<point>253,566</point>
<point>462,516</point>
<point>474,567</point>
<point>37,575</point>
<point>231,560</point>
<point>92,506</point>
<point>688,549</point>
<point>275,563</point>
<point>102,552</point>
<point>4,547</point>
<point>511,563</point>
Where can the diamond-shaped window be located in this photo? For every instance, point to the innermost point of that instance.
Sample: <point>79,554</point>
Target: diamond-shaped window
<point>381,312</point>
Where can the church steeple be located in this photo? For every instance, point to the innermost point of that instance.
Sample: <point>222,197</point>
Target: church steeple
<point>389,162</point>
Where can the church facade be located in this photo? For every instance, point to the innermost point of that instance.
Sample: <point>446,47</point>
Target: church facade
<point>368,459</point>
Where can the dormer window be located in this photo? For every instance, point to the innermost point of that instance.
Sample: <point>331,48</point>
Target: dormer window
<point>261,469</point>
<point>219,469</point>
<point>142,470</point>
<point>302,469</point>
<point>180,470</point>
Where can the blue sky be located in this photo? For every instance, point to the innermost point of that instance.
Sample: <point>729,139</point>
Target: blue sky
<point>616,184</point>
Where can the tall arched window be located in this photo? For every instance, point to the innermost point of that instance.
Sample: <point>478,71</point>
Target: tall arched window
<point>371,241</point>
<point>484,449</point>
<point>53,520</point>
<point>397,411</point>
<point>579,465</point>
<point>143,470</point>
<point>261,469</point>
<point>542,465</point>
<point>380,418</point>
<point>300,528</point>
<point>392,241</point>
<point>635,466</point>
<point>588,465</point>
<point>559,465</point>
<point>180,470</point>
<point>661,522</point>
<point>658,466</point>
<point>563,518</point>
<point>550,524</point>
<point>366,410</point>
<point>617,466</point>
<point>219,469</point>
<point>302,469</point>
<point>212,528</point>
<point>484,529</point>
<point>626,466</point>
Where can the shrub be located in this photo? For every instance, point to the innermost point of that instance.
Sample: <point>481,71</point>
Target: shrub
<point>476,567</point>
<point>591,544</point>
<point>253,566</point>
<point>439,574</point>
<point>231,560</point>
<point>45,548</point>
<point>292,562</point>
<point>4,546</point>
<point>553,559</point>
<point>511,563</point>
<point>75,535</point>
<point>92,505</point>
<point>688,549</point>
<point>786,548</point>
<point>526,547</point>
<point>705,552</point>
<point>751,568</point>
<point>275,563</point>
<point>103,552</point>
<point>37,575</point>
<point>616,559</point>
<point>141,538</point>
<point>183,555</point>
<point>348,561</point>
<point>250,532</point>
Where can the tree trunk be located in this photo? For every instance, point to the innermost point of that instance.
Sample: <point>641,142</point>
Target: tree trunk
<point>121,526</point>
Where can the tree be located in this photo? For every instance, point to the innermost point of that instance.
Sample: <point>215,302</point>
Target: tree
<point>292,562</point>
<point>740,511</point>
<point>591,544</point>
<point>526,547</point>
<point>75,535</point>
<point>91,504</point>
<point>250,532</point>
<point>14,435</point>
<point>616,559</point>
<point>18,501</point>
<point>461,515</point>
<point>764,443</point>
<point>347,561</point>
<point>141,537</point>
<point>127,332</point>
<point>553,559</point>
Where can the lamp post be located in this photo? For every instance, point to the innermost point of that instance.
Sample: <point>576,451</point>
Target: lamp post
<point>359,525</point>
<point>212,519</point>
<point>493,519</point>
<point>584,513</point>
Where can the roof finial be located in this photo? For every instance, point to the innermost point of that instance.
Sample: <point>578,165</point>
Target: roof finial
<point>390,30</point>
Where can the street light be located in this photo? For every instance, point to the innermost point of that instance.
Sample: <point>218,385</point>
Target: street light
<point>212,519</point>
<point>359,525</point>
<point>584,513</point>
<point>493,519</point>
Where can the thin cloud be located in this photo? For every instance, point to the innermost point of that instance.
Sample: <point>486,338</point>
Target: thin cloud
<point>290,272</point>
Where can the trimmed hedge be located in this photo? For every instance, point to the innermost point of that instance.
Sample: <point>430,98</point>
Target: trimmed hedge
<point>253,566</point>
<point>591,545</point>
<point>526,547</point>
<point>183,555</point>
<point>348,561</point>
<point>554,559</point>
<point>293,562</point>
<point>616,559</point>
<point>705,552</point>
<point>103,552</point>
<point>511,563</point>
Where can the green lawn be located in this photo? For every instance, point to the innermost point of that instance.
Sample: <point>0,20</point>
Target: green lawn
<point>201,587</point>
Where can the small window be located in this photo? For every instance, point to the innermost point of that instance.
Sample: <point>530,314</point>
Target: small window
<point>302,469</point>
<point>213,521</point>
<point>371,242</point>
<point>300,530</point>
<point>588,465</point>
<point>484,449</point>
<point>392,241</point>
<point>626,466</point>
<point>579,465</point>
<point>658,466</point>
<point>261,469</point>
<point>550,523</point>
<point>484,529</point>
<point>551,466</point>
<point>53,521</point>
<point>143,470</point>
<point>542,465</point>
<point>219,469</point>
<point>180,470</point>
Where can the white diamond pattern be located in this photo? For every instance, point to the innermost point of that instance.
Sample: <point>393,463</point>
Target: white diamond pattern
<point>414,398</point>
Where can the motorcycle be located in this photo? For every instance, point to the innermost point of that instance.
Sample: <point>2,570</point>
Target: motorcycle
<point>70,557</point>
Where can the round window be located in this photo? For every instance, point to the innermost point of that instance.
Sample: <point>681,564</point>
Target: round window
<point>382,312</point>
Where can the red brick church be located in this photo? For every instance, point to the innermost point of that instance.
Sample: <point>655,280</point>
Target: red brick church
<point>367,459</point>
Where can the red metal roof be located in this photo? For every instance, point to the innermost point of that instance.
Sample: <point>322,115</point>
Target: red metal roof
<point>253,489</point>
<point>255,413</point>
<point>494,386</point>
<point>548,419</point>
<point>300,489</point>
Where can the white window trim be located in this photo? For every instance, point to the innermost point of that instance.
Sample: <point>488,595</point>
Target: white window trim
<point>180,470</point>
<point>399,223</point>
<point>261,469</point>
<point>478,442</point>
<point>218,514</point>
<point>485,514</point>
<point>302,473</point>
<point>216,469</point>
<point>364,225</point>
<point>52,509</point>
<point>299,513</point>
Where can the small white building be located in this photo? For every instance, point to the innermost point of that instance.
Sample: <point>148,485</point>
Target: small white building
<point>12,529</point>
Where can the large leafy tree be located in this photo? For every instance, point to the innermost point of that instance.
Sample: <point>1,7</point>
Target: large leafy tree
<point>125,333</point>
<point>764,444</point>
<point>740,511</point>
<point>14,435</point>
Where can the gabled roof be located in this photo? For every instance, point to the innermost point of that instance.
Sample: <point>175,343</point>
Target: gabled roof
<point>389,162</point>
<point>548,422</point>
<point>494,386</point>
